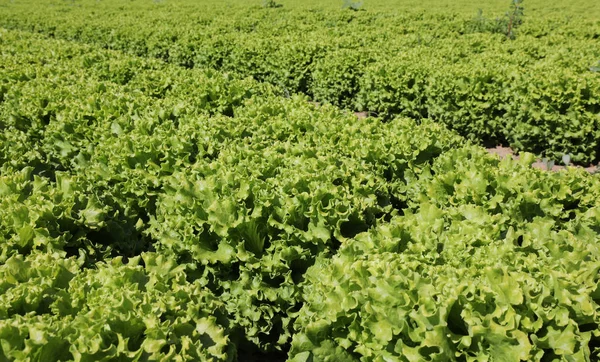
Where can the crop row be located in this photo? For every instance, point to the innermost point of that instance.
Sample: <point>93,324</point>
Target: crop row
<point>153,212</point>
<point>100,168</point>
<point>535,93</point>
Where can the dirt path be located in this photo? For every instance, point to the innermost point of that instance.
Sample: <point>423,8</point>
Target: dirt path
<point>507,151</point>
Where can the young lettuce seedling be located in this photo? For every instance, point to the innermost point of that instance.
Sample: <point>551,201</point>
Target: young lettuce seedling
<point>548,163</point>
<point>566,159</point>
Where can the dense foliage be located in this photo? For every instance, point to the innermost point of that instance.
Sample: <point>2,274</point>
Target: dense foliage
<point>535,93</point>
<point>486,264</point>
<point>174,192</point>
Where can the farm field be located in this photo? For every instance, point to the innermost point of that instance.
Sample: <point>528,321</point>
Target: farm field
<point>189,181</point>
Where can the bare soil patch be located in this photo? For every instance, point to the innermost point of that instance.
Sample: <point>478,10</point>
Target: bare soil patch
<point>503,152</point>
<point>361,115</point>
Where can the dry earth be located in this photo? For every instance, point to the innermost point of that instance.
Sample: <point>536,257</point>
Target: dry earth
<point>507,151</point>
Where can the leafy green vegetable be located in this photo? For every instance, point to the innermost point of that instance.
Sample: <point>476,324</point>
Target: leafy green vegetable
<point>173,192</point>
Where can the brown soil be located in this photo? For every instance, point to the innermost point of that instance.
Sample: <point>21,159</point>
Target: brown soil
<point>507,151</point>
<point>361,115</point>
